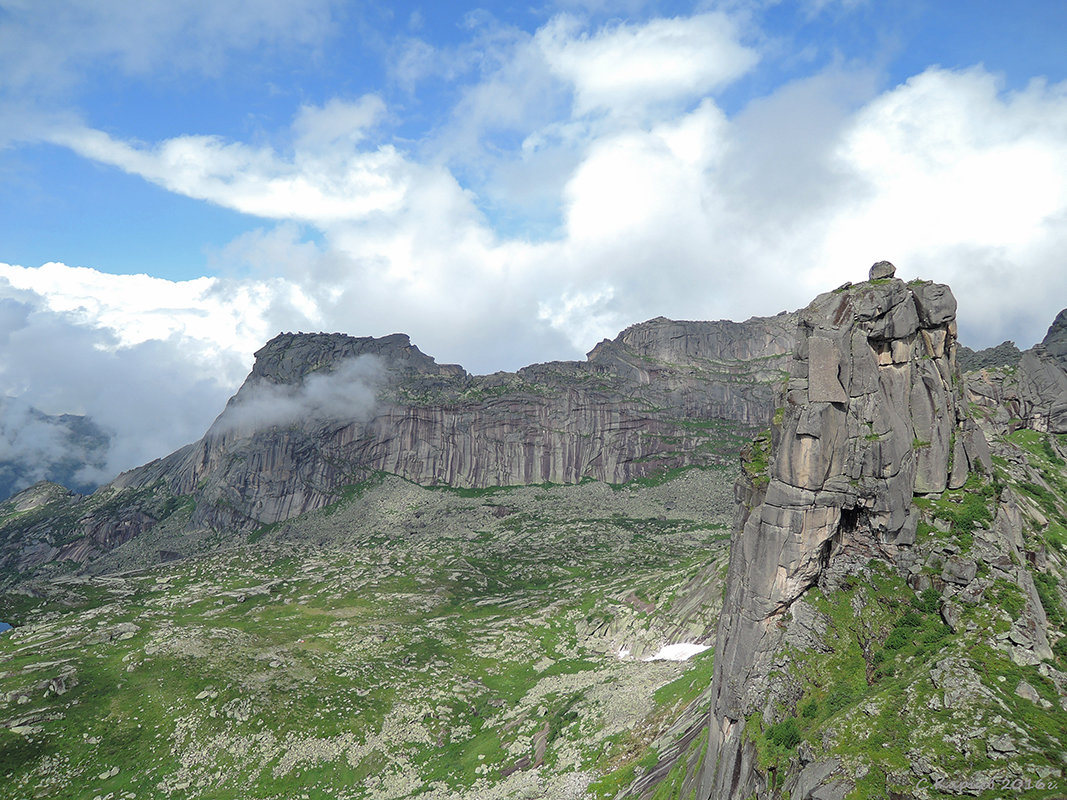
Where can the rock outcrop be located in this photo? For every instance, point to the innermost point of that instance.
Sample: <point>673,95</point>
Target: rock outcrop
<point>871,416</point>
<point>1031,393</point>
<point>319,412</point>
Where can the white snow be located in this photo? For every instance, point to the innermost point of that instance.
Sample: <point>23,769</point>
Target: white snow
<point>678,652</point>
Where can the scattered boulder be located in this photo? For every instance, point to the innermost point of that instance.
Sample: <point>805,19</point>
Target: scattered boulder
<point>959,570</point>
<point>1000,745</point>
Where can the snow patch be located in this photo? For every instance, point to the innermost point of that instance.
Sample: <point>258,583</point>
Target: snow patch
<point>682,651</point>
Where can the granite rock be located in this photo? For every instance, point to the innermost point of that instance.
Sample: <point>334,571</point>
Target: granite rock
<point>871,416</point>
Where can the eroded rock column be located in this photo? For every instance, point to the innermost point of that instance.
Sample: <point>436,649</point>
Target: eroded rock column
<point>870,416</point>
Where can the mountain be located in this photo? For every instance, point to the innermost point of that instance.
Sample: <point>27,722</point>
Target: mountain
<point>381,577</point>
<point>34,446</point>
<point>1030,391</point>
<point>321,413</point>
<point>883,628</point>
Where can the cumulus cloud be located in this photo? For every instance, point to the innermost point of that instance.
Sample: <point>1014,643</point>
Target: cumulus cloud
<point>148,398</point>
<point>650,198</point>
<point>966,184</point>
<point>696,215</point>
<point>348,393</point>
<point>221,316</point>
<point>626,67</point>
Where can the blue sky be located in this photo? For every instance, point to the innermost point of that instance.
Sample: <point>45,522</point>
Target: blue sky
<point>506,182</point>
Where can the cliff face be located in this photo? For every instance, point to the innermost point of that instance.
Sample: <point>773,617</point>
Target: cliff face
<point>640,404</point>
<point>1031,392</point>
<point>869,418</point>
<point>320,412</point>
<point>851,505</point>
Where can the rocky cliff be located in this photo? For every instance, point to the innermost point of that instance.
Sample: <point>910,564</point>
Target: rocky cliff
<point>320,412</point>
<point>1030,391</point>
<point>852,513</point>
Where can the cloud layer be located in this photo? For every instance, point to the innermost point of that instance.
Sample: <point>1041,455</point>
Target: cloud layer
<point>583,177</point>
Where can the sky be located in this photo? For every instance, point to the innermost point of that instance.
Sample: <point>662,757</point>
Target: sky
<point>508,183</point>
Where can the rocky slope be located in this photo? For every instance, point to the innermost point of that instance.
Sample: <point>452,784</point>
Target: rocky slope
<point>404,642</point>
<point>885,626</point>
<point>320,412</point>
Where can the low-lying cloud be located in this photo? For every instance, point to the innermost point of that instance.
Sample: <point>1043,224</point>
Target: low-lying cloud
<point>348,393</point>
<point>148,398</point>
<point>35,447</point>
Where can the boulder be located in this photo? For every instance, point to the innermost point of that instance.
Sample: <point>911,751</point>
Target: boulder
<point>959,570</point>
<point>935,304</point>
<point>882,270</point>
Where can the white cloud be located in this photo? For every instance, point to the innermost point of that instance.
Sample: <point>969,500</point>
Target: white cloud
<point>950,161</point>
<point>135,309</point>
<point>312,186</point>
<point>35,447</point>
<point>152,396</point>
<point>629,66</point>
<point>665,205</point>
<point>337,125</point>
<point>639,183</point>
<point>347,393</point>
<point>968,185</point>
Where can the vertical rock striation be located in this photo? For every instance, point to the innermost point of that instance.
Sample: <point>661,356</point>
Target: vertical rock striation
<point>870,416</point>
<point>321,412</point>
<point>639,405</point>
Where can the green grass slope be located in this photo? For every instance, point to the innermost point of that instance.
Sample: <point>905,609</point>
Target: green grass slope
<point>404,642</point>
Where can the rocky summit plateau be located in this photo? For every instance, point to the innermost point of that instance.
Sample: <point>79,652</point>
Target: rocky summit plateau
<point>813,556</point>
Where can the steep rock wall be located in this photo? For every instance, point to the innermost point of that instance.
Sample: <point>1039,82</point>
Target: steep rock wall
<point>870,416</point>
<point>319,412</point>
<point>1032,394</point>
<point>639,405</point>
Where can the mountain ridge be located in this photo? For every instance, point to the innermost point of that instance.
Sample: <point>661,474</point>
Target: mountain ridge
<point>890,622</point>
<point>640,404</point>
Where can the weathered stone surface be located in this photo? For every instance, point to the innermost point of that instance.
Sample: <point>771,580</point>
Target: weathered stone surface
<point>1001,744</point>
<point>959,570</point>
<point>872,417</point>
<point>813,777</point>
<point>881,270</point>
<point>935,304</point>
<point>319,412</point>
<point>824,364</point>
<point>1055,341</point>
